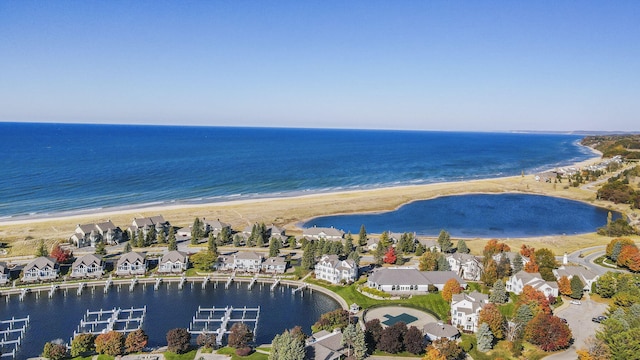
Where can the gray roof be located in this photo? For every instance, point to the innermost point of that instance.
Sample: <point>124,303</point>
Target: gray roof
<point>87,259</point>
<point>327,346</point>
<point>323,231</point>
<point>338,264</point>
<point>131,257</point>
<point>174,256</point>
<point>476,299</point>
<point>570,271</point>
<point>41,263</point>
<point>275,261</point>
<point>217,224</point>
<point>248,255</point>
<point>412,276</point>
<point>441,330</point>
<point>105,226</point>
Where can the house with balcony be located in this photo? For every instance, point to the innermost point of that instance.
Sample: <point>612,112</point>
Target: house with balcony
<point>243,261</point>
<point>274,265</point>
<point>146,224</point>
<point>41,269</point>
<point>131,263</point>
<point>466,266</point>
<point>330,268</point>
<point>465,310</point>
<point>91,234</point>
<point>88,265</point>
<point>518,281</point>
<point>173,262</point>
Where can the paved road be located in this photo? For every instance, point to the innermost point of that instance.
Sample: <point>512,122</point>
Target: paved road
<point>579,321</point>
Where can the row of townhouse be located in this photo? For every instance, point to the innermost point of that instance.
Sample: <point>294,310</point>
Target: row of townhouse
<point>251,262</point>
<point>330,268</point>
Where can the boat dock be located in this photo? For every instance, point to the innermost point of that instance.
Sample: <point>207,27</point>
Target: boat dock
<point>116,319</point>
<point>216,320</point>
<point>11,334</point>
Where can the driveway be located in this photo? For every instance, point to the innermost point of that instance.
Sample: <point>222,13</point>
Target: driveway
<point>579,321</point>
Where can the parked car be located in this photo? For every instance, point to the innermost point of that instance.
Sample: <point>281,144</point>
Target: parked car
<point>563,320</point>
<point>576,302</point>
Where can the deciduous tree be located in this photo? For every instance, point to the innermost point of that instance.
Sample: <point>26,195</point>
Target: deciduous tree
<point>490,273</point>
<point>136,341</point>
<point>491,315</point>
<point>178,340</point>
<point>390,256</point>
<point>203,260</point>
<point>111,343</point>
<point>494,247</point>
<point>331,320</point>
<point>535,299</point>
<point>54,351</point>
<point>392,339</point>
<point>452,286</point>
<point>548,332</point>
<point>372,333</point>
<point>239,335</point>
<point>83,344</point>
<point>414,341</point>
<point>449,349</point>
<point>429,261</point>
<point>564,285</point>
<point>206,340</point>
<point>61,255</point>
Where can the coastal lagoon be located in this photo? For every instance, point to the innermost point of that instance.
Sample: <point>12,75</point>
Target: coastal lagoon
<point>167,308</point>
<point>479,215</point>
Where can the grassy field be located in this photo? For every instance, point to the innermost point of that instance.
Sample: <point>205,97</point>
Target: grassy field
<point>186,356</point>
<point>232,352</point>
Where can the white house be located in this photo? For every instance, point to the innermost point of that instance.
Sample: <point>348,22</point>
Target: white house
<point>4,273</point>
<point>588,277</point>
<point>323,233</point>
<point>274,265</point>
<point>41,269</point>
<point>465,309</point>
<point>88,265</point>
<point>91,234</point>
<point>244,261</point>
<point>466,266</point>
<point>518,281</point>
<point>131,263</point>
<point>334,270</point>
<point>173,262</point>
<point>407,280</point>
<point>438,330</point>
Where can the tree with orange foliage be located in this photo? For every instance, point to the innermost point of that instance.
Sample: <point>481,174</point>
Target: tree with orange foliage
<point>62,256</point>
<point>628,254</point>
<point>491,315</point>
<point>494,247</point>
<point>564,285</point>
<point>390,257</point>
<point>452,286</point>
<point>548,332</point>
<point>535,299</point>
<point>615,245</point>
<point>527,251</point>
<point>433,354</point>
<point>531,266</point>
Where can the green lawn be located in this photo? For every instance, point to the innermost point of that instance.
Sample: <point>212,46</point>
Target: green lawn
<point>431,303</point>
<point>401,354</point>
<point>231,351</point>
<point>186,356</point>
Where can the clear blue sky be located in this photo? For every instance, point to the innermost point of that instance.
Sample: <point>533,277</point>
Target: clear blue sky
<point>433,65</point>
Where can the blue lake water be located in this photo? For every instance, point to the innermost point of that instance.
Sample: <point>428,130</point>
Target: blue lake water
<point>57,168</point>
<point>167,308</point>
<point>479,215</point>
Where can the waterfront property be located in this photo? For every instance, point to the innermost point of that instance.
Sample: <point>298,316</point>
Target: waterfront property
<point>4,273</point>
<point>145,224</point>
<point>335,271</point>
<point>88,265</point>
<point>327,233</point>
<point>407,280</point>
<point>465,309</point>
<point>518,281</point>
<point>131,263</point>
<point>274,265</point>
<point>215,226</point>
<point>173,262</point>
<point>326,345</point>
<point>243,261</point>
<point>466,266</point>
<point>41,269</point>
<point>438,330</point>
<point>587,277</point>
<point>91,234</point>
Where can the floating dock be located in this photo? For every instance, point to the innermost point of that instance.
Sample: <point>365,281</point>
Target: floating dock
<point>116,319</point>
<point>11,334</point>
<point>218,320</point>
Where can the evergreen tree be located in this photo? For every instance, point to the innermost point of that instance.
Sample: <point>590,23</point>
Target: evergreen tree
<point>353,339</point>
<point>362,236</point>
<point>462,247</point>
<point>42,249</point>
<point>517,263</point>
<point>173,244</point>
<point>150,237</point>
<point>237,240</point>
<point>197,231</point>
<point>443,264</point>
<point>292,242</point>
<point>577,287</point>
<point>140,242</point>
<point>172,236</point>
<point>260,240</point>
<point>162,238</point>
<point>274,247</point>
<point>100,248</point>
<point>499,293</point>
<point>420,249</point>
<point>504,267</point>
<point>307,257</point>
<point>348,243</point>
<point>355,256</point>
<point>444,240</point>
<point>224,236</point>
<point>212,246</point>
<point>127,247</point>
<point>287,347</point>
<point>484,338</point>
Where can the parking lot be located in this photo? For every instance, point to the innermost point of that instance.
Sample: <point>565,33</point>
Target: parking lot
<point>579,320</point>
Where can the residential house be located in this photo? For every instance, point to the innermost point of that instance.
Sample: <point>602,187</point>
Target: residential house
<point>325,345</point>
<point>4,273</point>
<point>41,269</point>
<point>465,309</point>
<point>275,232</point>
<point>511,256</point>
<point>466,266</point>
<point>587,277</point>
<point>173,262</point>
<point>274,265</point>
<point>518,281</point>
<point>429,244</point>
<point>330,233</point>
<point>244,261</point>
<point>334,270</point>
<point>91,234</point>
<point>408,280</point>
<point>145,225</point>
<point>88,265</point>
<point>215,226</point>
<point>131,263</point>
<point>438,330</point>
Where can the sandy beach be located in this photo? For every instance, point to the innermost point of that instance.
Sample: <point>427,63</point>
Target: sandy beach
<point>288,212</point>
